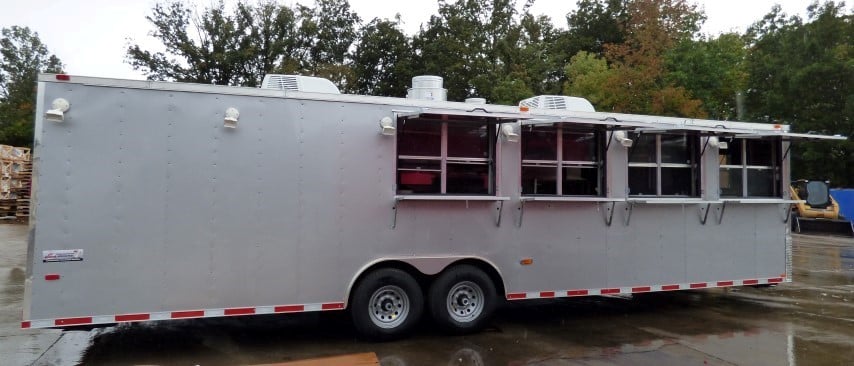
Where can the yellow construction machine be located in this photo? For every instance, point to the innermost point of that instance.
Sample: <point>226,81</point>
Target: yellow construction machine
<point>816,210</point>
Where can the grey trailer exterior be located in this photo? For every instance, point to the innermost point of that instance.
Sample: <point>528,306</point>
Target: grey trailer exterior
<point>157,201</point>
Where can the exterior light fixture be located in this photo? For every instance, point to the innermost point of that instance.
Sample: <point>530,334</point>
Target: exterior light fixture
<point>231,117</point>
<point>509,132</point>
<point>620,136</point>
<point>57,111</point>
<point>715,142</point>
<point>387,126</point>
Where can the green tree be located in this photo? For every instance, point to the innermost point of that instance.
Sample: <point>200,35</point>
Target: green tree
<point>801,74</point>
<point>638,83</point>
<point>326,33</point>
<point>210,47</point>
<point>586,76</point>
<point>22,57</point>
<point>711,70</point>
<point>382,60</point>
<point>461,43</point>
<point>594,24</point>
<point>530,60</point>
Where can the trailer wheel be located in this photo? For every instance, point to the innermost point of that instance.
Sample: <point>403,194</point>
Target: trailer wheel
<point>462,299</point>
<point>386,304</point>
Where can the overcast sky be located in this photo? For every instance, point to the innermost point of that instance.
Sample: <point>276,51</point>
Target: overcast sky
<point>90,36</point>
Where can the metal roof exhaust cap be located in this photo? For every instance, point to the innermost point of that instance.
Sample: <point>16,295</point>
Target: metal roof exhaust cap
<point>476,100</point>
<point>427,87</point>
<point>308,84</point>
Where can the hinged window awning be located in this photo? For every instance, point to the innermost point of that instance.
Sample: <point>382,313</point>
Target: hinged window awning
<point>476,115</point>
<point>608,123</point>
<point>789,136</point>
<point>702,130</point>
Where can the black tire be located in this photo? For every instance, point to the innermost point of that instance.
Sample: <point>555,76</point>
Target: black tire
<point>386,304</point>
<point>462,299</point>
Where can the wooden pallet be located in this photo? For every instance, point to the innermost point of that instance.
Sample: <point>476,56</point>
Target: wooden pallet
<point>15,153</point>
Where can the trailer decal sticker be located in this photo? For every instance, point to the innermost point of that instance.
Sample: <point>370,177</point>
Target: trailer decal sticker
<point>298,308</point>
<point>62,255</point>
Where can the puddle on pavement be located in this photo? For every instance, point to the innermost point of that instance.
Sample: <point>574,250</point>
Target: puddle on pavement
<point>672,328</point>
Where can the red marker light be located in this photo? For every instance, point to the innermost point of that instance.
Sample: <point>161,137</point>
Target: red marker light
<point>63,77</point>
<point>51,277</point>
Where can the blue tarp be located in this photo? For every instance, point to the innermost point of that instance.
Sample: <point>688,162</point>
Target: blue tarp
<point>845,198</point>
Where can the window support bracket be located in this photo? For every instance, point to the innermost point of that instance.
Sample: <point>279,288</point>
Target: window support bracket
<point>787,212</point>
<point>705,145</point>
<point>785,154</point>
<point>721,210</point>
<point>704,213</point>
<point>608,144</point>
<point>718,208</point>
<point>628,213</point>
<point>609,212</point>
<point>394,214</point>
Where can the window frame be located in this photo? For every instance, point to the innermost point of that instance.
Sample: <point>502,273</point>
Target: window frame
<point>444,159</point>
<point>695,165</point>
<point>745,168</point>
<point>560,164</point>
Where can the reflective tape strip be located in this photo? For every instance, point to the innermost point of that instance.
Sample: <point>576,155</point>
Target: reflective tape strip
<point>64,322</point>
<point>180,314</point>
<point>132,317</point>
<point>239,311</point>
<point>516,296</point>
<point>548,294</point>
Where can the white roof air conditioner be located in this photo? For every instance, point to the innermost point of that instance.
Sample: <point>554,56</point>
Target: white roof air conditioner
<point>299,83</point>
<point>558,102</point>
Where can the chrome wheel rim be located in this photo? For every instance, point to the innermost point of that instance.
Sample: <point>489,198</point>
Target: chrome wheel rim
<point>465,301</point>
<point>389,307</point>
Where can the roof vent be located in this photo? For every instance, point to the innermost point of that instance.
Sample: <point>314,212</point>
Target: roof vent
<point>558,102</point>
<point>476,100</point>
<point>427,87</point>
<point>299,83</point>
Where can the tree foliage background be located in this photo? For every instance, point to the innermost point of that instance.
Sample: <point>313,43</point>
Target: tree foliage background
<point>22,57</point>
<point>632,56</point>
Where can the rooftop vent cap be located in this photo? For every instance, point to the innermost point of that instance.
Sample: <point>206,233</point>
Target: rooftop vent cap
<point>476,100</point>
<point>427,87</point>
<point>558,102</point>
<point>307,84</point>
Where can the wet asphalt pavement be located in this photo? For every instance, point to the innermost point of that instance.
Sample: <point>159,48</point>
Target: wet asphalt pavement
<point>808,322</point>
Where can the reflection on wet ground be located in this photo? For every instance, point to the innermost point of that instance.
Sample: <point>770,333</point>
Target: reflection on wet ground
<point>809,322</point>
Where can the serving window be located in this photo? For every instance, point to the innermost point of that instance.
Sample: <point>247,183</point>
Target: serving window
<point>445,157</point>
<point>664,165</point>
<point>750,168</point>
<point>561,160</point>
